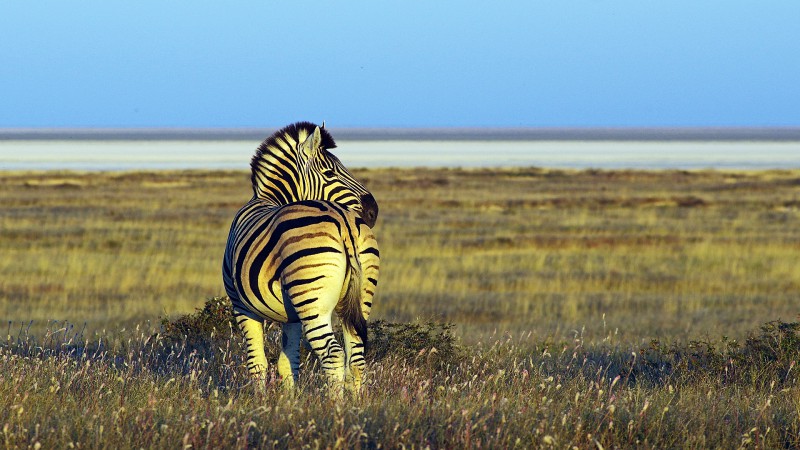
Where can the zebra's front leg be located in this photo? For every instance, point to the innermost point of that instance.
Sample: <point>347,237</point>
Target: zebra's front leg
<point>289,359</point>
<point>319,334</point>
<point>354,360</point>
<point>254,338</point>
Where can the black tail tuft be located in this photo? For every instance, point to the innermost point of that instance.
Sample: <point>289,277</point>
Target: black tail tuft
<point>361,328</point>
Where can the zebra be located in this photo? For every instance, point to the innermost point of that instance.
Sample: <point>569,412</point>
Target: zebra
<point>300,249</point>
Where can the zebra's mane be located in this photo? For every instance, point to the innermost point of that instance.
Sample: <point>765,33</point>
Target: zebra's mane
<point>283,146</point>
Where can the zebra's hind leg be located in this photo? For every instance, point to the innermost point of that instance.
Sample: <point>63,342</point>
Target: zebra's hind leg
<point>354,357</point>
<point>319,334</point>
<point>254,338</point>
<point>289,359</point>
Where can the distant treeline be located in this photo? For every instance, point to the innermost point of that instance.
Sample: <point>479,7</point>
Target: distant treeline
<point>420,134</point>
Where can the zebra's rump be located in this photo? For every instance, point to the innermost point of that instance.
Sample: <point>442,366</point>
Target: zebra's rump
<point>284,263</point>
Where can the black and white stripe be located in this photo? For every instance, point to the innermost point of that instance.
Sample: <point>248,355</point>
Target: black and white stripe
<point>301,249</point>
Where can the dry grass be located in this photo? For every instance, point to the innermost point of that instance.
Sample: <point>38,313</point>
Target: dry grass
<point>133,390</point>
<point>658,254</point>
<point>553,280</point>
<point>113,249</point>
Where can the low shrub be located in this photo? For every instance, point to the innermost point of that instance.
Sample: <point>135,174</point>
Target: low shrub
<point>213,327</point>
<point>765,357</point>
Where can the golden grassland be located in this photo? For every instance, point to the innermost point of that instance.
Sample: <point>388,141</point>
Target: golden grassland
<point>590,309</point>
<point>658,254</point>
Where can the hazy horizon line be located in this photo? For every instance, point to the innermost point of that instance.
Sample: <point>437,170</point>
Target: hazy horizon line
<point>770,133</point>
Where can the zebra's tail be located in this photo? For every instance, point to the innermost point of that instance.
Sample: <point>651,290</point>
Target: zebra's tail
<point>350,307</point>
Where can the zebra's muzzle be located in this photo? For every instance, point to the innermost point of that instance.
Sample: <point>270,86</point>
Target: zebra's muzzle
<point>370,209</point>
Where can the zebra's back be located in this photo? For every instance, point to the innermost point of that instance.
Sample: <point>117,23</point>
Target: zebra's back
<point>295,262</point>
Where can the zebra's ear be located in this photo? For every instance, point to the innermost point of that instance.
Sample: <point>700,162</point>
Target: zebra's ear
<point>312,144</point>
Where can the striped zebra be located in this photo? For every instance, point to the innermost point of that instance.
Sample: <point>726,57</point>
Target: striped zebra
<point>301,249</point>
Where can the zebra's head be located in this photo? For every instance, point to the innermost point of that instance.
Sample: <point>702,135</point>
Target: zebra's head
<point>295,164</point>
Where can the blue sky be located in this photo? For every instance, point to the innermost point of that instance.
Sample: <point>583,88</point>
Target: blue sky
<point>399,64</point>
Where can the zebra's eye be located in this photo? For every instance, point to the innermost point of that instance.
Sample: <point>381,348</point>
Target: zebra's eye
<point>328,173</point>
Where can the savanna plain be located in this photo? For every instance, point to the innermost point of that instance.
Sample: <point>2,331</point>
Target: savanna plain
<point>517,308</point>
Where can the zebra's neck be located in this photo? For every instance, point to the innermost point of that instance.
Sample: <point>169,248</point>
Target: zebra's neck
<point>277,179</point>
